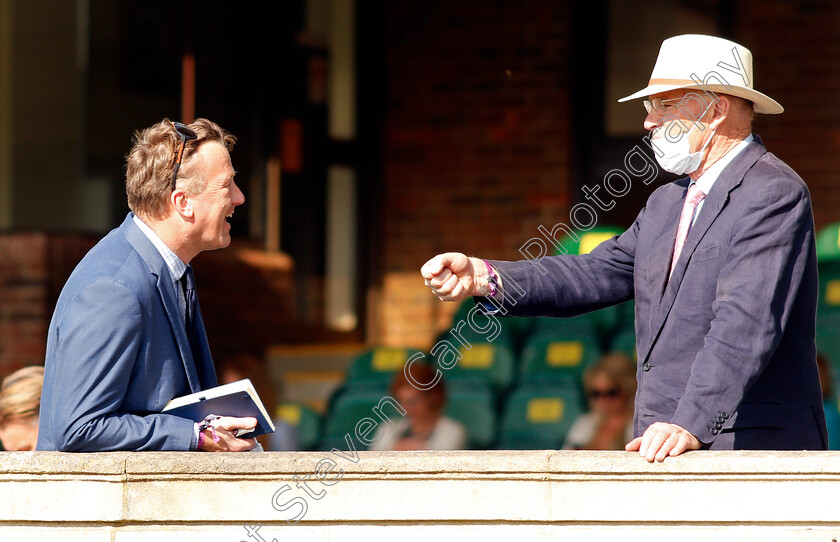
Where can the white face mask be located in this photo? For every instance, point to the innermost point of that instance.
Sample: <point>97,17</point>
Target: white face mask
<point>676,156</point>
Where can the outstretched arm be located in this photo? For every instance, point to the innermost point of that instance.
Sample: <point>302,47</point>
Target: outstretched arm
<point>453,276</point>
<point>562,285</point>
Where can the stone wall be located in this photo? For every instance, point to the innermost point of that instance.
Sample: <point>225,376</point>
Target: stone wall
<point>418,496</point>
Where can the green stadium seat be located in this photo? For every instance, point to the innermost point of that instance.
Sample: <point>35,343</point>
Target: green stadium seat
<point>605,321</point>
<point>474,407</point>
<point>828,243</point>
<point>559,356</point>
<point>482,328</point>
<point>831,406</point>
<point>828,343</point>
<point>377,366</point>
<point>624,342</point>
<point>588,240</point>
<point>348,407</point>
<point>829,289</point>
<point>538,416</point>
<point>484,362</point>
<point>828,314</point>
<point>306,421</point>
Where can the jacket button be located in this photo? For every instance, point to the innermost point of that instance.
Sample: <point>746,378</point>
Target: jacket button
<point>718,425</point>
<point>724,415</point>
<point>715,431</point>
<point>646,366</point>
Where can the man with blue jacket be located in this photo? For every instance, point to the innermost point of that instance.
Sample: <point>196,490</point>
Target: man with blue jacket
<point>127,334</point>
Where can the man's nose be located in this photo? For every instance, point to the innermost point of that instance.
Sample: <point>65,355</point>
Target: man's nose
<point>238,196</point>
<point>652,120</point>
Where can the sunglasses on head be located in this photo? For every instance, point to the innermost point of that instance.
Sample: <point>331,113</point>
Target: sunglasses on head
<point>186,134</point>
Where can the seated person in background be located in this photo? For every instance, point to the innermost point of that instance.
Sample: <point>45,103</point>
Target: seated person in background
<point>610,386</point>
<point>20,403</point>
<point>423,427</point>
<point>832,414</point>
<point>284,438</point>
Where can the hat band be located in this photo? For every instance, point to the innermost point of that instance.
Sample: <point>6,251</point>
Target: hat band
<point>671,82</point>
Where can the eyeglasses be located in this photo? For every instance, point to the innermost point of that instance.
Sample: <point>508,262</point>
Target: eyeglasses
<point>658,105</point>
<point>607,394</point>
<point>186,134</point>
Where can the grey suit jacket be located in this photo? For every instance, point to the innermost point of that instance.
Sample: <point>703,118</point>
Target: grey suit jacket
<point>117,351</point>
<point>726,346</point>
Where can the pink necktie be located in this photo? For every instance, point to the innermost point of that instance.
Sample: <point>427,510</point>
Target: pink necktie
<point>695,196</point>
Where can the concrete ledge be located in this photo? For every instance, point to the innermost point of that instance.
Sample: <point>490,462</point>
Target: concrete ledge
<point>495,495</point>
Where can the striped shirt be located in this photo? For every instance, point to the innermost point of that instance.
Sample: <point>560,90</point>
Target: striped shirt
<point>176,266</point>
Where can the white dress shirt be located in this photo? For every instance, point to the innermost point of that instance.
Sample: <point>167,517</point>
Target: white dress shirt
<point>176,266</point>
<point>708,178</point>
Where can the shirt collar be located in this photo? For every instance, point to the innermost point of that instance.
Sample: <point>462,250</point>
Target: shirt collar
<point>708,178</point>
<point>176,266</point>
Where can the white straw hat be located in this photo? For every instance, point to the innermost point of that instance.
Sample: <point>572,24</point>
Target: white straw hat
<point>706,62</point>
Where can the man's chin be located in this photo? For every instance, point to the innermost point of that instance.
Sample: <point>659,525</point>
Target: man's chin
<point>222,242</point>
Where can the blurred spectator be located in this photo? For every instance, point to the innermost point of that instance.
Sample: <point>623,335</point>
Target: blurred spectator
<point>423,427</point>
<point>20,404</point>
<point>284,438</point>
<point>832,414</point>
<point>610,386</point>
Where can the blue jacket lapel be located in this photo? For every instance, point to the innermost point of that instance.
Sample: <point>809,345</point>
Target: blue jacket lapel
<point>663,248</point>
<point>730,179</point>
<point>166,290</point>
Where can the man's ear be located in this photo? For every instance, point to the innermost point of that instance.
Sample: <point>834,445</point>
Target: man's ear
<point>723,108</point>
<point>181,203</point>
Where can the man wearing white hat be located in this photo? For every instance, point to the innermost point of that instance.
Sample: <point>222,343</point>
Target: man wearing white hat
<point>721,264</point>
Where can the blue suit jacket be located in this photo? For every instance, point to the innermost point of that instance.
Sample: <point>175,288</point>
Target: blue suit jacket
<point>726,346</point>
<point>117,351</point>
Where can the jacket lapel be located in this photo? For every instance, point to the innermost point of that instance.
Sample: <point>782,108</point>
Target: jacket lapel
<point>714,203</point>
<point>712,206</point>
<point>168,297</point>
<point>663,247</point>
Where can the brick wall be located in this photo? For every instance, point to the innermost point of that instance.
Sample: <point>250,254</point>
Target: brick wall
<point>796,50</point>
<point>23,301</point>
<point>33,268</point>
<point>478,131</point>
<point>476,142</point>
<point>247,300</point>
<point>246,296</point>
<point>476,156</point>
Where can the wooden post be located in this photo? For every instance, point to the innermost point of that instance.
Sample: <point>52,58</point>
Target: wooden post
<point>272,204</point>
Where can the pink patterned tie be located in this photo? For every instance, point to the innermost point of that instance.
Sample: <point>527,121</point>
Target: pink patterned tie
<point>695,196</point>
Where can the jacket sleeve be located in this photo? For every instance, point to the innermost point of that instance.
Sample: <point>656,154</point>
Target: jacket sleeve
<point>756,291</point>
<point>569,285</point>
<point>94,350</point>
